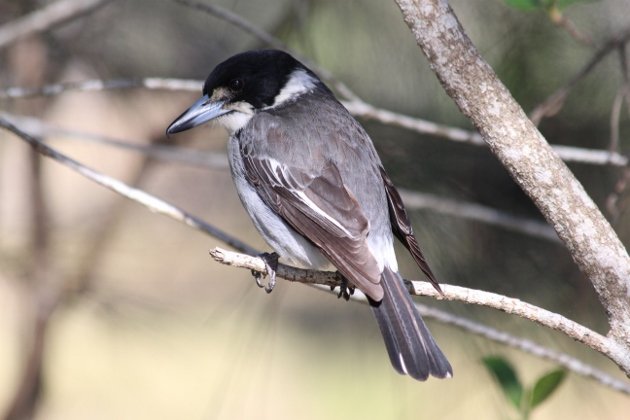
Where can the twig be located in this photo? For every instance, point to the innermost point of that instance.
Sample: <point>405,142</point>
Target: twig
<point>96,85</point>
<point>268,39</point>
<point>613,206</point>
<point>153,203</point>
<point>615,115</point>
<point>558,18</point>
<point>45,18</point>
<point>356,107</point>
<point>612,201</point>
<point>554,103</point>
<point>173,154</point>
<point>420,288</point>
<point>568,362</point>
<point>470,296</point>
<point>236,20</point>
<point>477,212</point>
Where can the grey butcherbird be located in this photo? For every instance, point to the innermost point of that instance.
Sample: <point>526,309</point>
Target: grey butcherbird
<point>310,179</point>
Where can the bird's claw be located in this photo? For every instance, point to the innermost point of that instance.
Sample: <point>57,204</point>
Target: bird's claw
<point>271,265</point>
<point>345,289</point>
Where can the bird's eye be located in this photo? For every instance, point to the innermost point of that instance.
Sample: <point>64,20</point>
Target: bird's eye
<point>236,85</point>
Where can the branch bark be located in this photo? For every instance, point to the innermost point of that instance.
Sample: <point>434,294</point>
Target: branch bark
<point>356,106</point>
<point>533,164</point>
<point>454,293</point>
<point>505,304</point>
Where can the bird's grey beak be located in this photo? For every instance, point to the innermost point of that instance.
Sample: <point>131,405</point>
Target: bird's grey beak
<point>204,110</point>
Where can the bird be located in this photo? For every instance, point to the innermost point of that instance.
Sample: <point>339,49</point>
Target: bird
<point>314,186</point>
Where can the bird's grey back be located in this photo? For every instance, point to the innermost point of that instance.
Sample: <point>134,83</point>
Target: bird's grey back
<point>294,134</point>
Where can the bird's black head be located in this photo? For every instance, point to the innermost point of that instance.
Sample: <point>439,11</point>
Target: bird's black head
<point>255,77</point>
<point>244,84</point>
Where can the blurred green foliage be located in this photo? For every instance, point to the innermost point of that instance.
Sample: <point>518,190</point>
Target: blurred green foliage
<point>524,399</point>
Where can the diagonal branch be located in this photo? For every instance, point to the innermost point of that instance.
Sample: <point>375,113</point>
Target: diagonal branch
<point>533,164</point>
<point>554,103</point>
<point>152,203</point>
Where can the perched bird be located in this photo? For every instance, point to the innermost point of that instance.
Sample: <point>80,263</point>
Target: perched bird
<point>309,177</point>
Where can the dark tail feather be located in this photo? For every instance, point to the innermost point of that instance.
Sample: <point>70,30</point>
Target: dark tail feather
<point>409,343</point>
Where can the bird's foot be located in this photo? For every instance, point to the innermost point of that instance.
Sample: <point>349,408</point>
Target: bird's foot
<point>345,289</point>
<point>271,264</point>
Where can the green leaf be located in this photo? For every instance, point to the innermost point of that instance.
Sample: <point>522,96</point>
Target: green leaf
<point>506,376</point>
<point>546,385</point>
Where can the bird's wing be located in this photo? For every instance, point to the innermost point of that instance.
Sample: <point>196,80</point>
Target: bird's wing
<point>401,226</point>
<point>321,208</point>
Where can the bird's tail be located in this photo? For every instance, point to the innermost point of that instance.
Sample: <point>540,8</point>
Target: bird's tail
<point>409,343</point>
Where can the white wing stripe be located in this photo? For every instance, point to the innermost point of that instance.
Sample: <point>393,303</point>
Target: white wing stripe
<point>277,170</point>
<point>321,212</point>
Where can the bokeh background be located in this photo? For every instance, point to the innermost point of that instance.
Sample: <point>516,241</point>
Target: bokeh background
<point>151,328</point>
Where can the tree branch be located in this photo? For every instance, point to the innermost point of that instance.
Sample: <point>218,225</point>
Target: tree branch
<point>45,18</point>
<point>505,304</point>
<point>461,294</point>
<point>527,346</point>
<point>267,39</point>
<point>414,200</point>
<point>417,200</point>
<point>533,164</point>
<point>357,107</point>
<point>554,102</point>
<point>153,203</point>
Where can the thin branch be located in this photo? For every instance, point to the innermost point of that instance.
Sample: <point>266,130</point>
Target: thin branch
<point>454,293</point>
<point>477,212</point>
<point>357,107</point>
<point>615,116</point>
<point>46,18</point>
<point>508,305</point>
<point>554,102</point>
<point>413,199</point>
<point>559,19</point>
<point>96,85</point>
<point>568,362</point>
<point>172,154</point>
<point>153,203</point>
<point>236,20</point>
<point>613,205</point>
<point>268,39</point>
<point>362,109</point>
<point>613,200</point>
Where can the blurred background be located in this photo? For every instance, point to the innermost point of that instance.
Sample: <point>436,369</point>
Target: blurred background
<point>111,311</point>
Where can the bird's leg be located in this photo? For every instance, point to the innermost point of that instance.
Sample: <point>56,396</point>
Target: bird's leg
<point>345,288</point>
<point>271,264</point>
